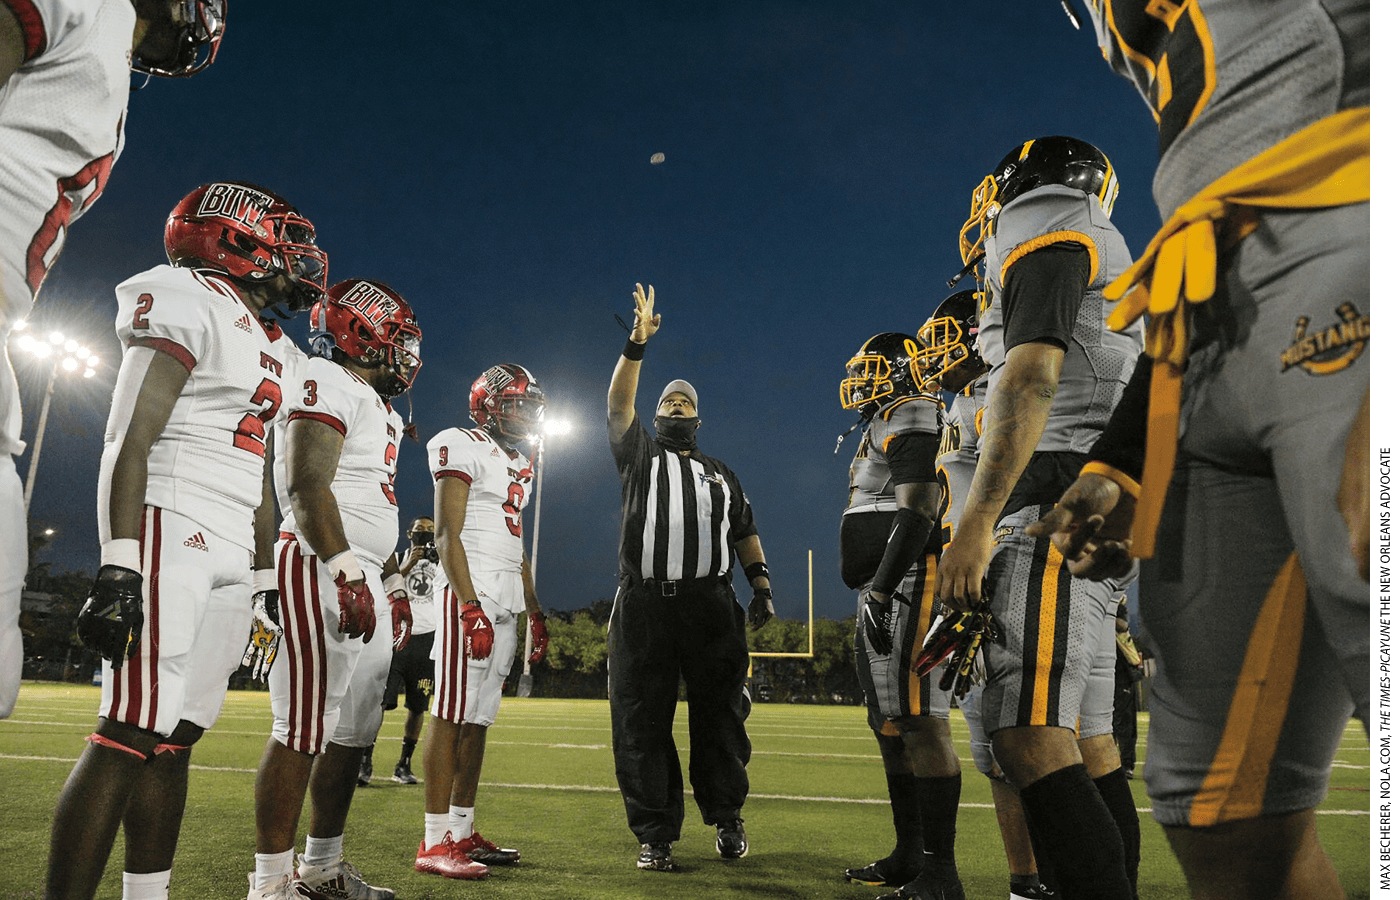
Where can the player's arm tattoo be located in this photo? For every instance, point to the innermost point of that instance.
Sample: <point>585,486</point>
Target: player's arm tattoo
<point>1016,415</point>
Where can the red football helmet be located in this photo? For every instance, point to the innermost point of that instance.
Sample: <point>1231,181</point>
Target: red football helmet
<point>194,25</point>
<point>370,323</point>
<point>249,233</point>
<point>508,401</point>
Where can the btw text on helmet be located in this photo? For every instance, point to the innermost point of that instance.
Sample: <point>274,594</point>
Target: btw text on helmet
<point>249,233</point>
<point>507,401</point>
<point>370,323</point>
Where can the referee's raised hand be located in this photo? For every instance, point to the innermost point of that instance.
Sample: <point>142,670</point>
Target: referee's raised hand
<point>644,321</point>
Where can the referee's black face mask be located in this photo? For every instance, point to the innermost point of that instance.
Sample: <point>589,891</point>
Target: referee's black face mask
<point>676,433</point>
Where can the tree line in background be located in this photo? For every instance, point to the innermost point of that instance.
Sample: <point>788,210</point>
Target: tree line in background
<point>575,665</point>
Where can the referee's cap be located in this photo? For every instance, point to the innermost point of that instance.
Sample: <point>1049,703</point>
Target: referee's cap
<point>678,386</point>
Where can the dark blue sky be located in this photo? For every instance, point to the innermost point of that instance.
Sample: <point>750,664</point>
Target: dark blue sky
<point>491,162</point>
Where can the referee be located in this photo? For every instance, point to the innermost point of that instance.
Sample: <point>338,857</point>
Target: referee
<point>675,615</point>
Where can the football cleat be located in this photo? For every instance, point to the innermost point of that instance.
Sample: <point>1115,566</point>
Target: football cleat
<point>883,873</point>
<point>338,881</point>
<point>942,884</point>
<point>284,889</point>
<point>1035,893</point>
<point>656,857</point>
<point>730,840</point>
<point>448,860</point>
<point>483,851</point>
<point>403,774</point>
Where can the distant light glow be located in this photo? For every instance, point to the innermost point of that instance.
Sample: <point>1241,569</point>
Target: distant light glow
<point>25,342</point>
<point>57,338</point>
<point>93,361</point>
<point>41,350</point>
<point>20,325</point>
<point>82,353</point>
<point>69,364</point>
<point>71,346</point>
<point>89,373</point>
<point>557,426</point>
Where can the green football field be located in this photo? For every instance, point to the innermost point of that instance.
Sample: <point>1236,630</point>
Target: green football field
<point>817,804</point>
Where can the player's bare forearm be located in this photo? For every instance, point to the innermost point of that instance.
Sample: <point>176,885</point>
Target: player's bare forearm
<point>265,521</point>
<point>527,578</point>
<point>391,567</point>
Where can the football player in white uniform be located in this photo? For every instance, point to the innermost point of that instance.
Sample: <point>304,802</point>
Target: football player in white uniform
<point>64,72</point>
<point>484,580</point>
<point>343,607</point>
<point>183,468</point>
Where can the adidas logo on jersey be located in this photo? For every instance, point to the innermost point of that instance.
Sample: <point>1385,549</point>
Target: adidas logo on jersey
<point>196,541</point>
<point>245,324</point>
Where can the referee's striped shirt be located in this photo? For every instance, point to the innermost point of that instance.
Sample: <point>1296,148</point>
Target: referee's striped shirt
<point>680,514</point>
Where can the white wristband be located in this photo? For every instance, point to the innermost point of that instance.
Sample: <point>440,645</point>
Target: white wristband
<point>394,583</point>
<point>344,563</point>
<point>125,552</point>
<point>264,580</point>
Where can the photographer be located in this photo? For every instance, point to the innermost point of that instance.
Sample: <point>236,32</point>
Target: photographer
<point>412,670</point>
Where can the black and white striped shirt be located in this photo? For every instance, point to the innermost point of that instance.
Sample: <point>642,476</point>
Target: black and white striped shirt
<point>680,514</point>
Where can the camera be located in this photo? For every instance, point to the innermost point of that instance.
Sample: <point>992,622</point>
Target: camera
<point>424,539</point>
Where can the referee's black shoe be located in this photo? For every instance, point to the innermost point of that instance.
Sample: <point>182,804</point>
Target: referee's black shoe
<point>656,857</point>
<point>730,840</point>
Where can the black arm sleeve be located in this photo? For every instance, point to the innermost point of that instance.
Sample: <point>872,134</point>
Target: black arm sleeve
<point>1043,293</point>
<point>1123,444</point>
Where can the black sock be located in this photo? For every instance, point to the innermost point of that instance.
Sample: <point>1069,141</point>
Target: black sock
<point>1025,884</point>
<point>938,816</point>
<point>1045,868</point>
<point>1079,834</point>
<point>904,805</point>
<point>407,755</point>
<point>1118,797</point>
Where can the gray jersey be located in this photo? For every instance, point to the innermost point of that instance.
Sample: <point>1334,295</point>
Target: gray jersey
<point>957,451</point>
<point>872,487</point>
<point>1290,63</point>
<point>1097,362</point>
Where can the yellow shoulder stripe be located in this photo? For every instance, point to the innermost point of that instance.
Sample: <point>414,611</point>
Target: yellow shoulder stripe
<point>1054,237</point>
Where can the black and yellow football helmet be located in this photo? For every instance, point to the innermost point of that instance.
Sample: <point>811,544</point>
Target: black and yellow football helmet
<point>1036,163</point>
<point>951,337</point>
<point>888,366</point>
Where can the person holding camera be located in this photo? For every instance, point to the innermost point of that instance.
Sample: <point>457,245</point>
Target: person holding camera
<point>411,671</point>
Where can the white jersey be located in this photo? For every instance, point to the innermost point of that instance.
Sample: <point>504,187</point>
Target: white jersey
<point>418,581</point>
<point>61,127</point>
<point>364,481</point>
<point>500,479</point>
<point>207,463</point>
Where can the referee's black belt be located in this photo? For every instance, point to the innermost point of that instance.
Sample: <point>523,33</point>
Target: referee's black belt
<point>672,588</point>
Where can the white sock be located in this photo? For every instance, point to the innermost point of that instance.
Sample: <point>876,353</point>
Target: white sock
<point>270,868</point>
<point>321,852</point>
<point>148,886</point>
<point>435,828</point>
<point>463,821</point>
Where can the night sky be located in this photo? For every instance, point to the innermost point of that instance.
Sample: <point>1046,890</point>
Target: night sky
<point>491,162</point>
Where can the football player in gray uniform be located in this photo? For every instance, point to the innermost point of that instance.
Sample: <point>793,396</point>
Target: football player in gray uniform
<point>1040,228</point>
<point>1256,388</point>
<point>889,552</point>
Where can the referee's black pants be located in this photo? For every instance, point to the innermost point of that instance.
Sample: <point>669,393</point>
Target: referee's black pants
<point>654,640</point>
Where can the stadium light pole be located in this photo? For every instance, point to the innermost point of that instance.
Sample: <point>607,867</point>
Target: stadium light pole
<point>66,356</point>
<point>549,428</point>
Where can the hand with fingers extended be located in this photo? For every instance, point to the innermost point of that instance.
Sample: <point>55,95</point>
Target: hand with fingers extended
<point>476,627</point>
<point>357,617</point>
<point>644,321</point>
<point>1092,527</point>
<point>539,637</point>
<point>401,617</point>
<point>266,636</point>
<point>111,619</point>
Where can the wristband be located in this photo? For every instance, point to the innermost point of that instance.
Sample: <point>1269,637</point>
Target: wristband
<point>344,563</point>
<point>394,583</point>
<point>264,580</point>
<point>633,350</point>
<point>756,569</point>
<point>124,552</point>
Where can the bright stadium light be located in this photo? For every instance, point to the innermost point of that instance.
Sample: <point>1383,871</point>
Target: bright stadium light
<point>67,355</point>
<point>549,428</point>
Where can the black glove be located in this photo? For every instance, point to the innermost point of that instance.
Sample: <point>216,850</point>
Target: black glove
<point>877,617</point>
<point>760,607</point>
<point>111,619</point>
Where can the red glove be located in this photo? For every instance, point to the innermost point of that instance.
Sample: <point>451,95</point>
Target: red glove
<point>477,628</point>
<point>401,615</point>
<point>539,636</point>
<point>356,608</point>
